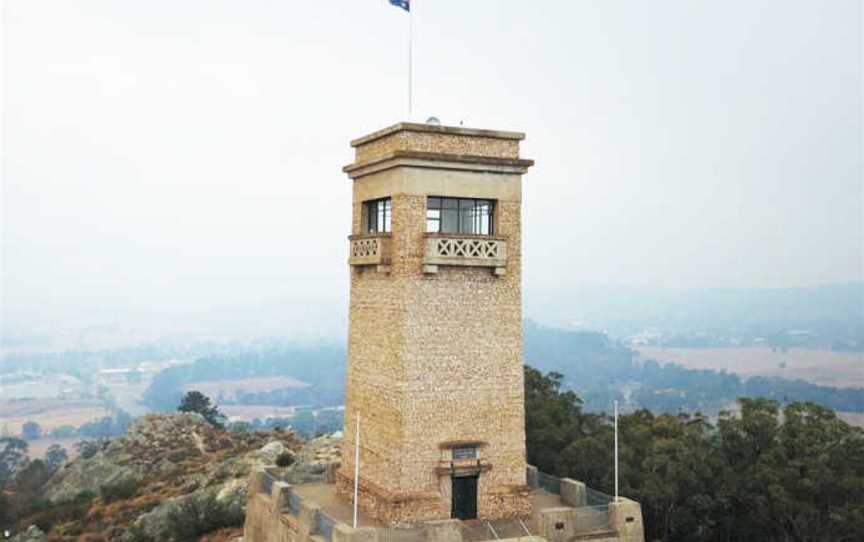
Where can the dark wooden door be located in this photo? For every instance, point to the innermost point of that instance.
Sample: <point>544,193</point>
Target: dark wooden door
<point>464,497</point>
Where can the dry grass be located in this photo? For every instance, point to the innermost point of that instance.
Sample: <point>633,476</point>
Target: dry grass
<point>250,412</point>
<point>822,367</point>
<point>223,535</point>
<point>852,418</point>
<point>48,413</point>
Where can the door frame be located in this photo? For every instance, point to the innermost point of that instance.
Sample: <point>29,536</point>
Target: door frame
<point>453,482</point>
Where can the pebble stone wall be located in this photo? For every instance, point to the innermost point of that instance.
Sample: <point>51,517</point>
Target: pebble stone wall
<point>436,360</point>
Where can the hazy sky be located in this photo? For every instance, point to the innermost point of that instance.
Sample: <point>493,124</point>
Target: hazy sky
<point>184,157</point>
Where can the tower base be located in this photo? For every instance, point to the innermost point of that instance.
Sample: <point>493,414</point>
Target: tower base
<point>403,509</point>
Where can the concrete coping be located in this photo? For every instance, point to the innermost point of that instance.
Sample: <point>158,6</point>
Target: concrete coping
<point>433,128</point>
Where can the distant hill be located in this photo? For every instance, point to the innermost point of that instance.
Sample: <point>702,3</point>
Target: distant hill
<point>832,313</point>
<point>601,370</point>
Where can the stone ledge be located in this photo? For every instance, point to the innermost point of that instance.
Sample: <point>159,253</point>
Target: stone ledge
<point>437,129</point>
<point>438,161</point>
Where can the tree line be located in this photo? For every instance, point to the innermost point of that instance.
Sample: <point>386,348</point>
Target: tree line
<point>600,368</point>
<point>765,473</point>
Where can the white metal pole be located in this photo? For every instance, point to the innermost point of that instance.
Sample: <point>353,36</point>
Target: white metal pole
<point>410,60</point>
<point>616,450</point>
<point>356,466</point>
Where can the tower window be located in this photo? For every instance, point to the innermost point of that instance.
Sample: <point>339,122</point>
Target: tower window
<point>465,452</point>
<point>377,215</point>
<point>460,215</point>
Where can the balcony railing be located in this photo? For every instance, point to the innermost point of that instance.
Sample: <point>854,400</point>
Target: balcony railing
<point>370,250</point>
<point>465,251</point>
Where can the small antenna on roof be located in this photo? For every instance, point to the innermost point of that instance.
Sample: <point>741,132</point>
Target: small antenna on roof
<point>433,121</point>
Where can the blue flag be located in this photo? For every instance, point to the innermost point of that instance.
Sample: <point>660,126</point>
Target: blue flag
<point>404,4</point>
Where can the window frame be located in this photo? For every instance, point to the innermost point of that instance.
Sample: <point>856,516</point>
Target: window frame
<point>375,210</point>
<point>436,206</point>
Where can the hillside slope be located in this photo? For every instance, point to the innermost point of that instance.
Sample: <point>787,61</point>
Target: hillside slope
<point>171,477</point>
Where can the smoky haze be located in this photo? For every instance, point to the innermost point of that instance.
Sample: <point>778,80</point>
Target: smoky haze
<point>176,166</point>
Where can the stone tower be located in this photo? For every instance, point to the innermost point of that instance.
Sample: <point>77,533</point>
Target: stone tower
<point>435,333</point>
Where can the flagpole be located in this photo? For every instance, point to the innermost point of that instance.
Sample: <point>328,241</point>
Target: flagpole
<point>410,61</point>
<point>356,468</point>
<point>616,450</point>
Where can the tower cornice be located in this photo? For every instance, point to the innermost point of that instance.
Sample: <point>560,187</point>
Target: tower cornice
<point>438,160</point>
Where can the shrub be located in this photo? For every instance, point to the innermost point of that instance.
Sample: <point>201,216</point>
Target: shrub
<point>89,448</point>
<point>120,488</point>
<point>285,459</point>
<point>46,515</point>
<point>200,514</point>
<point>84,496</point>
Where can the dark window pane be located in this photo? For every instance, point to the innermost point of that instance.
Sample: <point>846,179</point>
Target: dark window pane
<point>466,216</point>
<point>460,215</point>
<point>379,221</point>
<point>377,215</point>
<point>371,217</point>
<point>449,221</point>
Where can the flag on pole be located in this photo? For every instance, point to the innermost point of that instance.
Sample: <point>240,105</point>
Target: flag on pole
<point>404,4</point>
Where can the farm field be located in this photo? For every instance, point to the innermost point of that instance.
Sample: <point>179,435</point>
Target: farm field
<point>228,389</point>
<point>852,418</point>
<point>822,367</point>
<point>250,412</point>
<point>48,413</point>
<point>36,448</point>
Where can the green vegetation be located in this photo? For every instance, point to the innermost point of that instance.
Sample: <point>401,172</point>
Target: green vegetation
<point>13,454</point>
<point>285,460</point>
<point>123,487</point>
<point>55,457</point>
<point>197,402</point>
<point>31,430</point>
<point>764,474</point>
